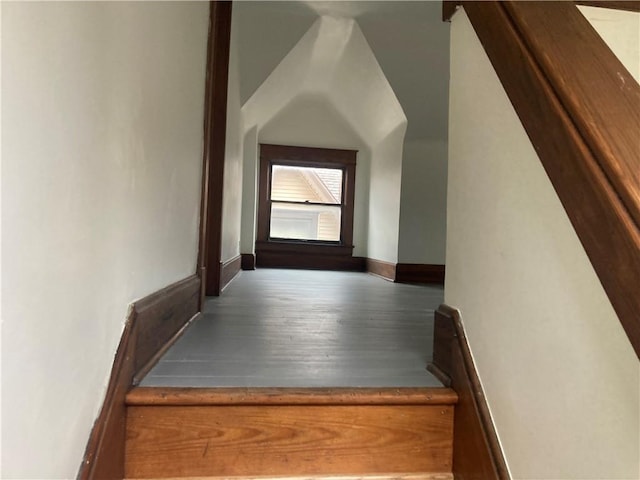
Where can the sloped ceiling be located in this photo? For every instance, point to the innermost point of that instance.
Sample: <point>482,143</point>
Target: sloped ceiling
<point>408,39</point>
<point>332,61</point>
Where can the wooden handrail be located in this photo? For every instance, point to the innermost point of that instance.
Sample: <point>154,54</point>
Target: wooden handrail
<point>629,5</point>
<point>449,7</point>
<point>596,90</point>
<point>581,110</point>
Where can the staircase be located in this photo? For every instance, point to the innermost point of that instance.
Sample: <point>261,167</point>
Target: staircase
<point>403,433</point>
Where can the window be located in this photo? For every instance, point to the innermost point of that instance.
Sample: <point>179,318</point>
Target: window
<point>306,203</point>
<point>305,199</point>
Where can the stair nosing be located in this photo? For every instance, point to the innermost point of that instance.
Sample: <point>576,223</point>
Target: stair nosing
<point>372,476</point>
<point>207,396</point>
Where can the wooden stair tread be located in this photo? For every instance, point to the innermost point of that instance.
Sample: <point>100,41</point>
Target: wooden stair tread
<point>176,396</point>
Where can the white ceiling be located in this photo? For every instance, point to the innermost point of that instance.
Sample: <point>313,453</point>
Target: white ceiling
<point>409,40</point>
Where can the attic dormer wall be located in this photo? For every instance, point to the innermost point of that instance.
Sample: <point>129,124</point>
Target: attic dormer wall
<point>329,91</point>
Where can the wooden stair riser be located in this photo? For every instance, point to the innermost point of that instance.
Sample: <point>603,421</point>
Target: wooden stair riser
<point>191,441</point>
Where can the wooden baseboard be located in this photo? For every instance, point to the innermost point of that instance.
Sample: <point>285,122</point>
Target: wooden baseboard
<point>382,269</point>
<point>229,270</point>
<point>406,272</point>
<point>476,452</point>
<point>310,262</point>
<point>311,256</point>
<point>104,455</point>
<point>247,261</point>
<point>153,323</point>
<point>159,316</point>
<point>420,273</point>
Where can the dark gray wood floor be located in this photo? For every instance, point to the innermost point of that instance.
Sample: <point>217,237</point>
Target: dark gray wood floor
<point>301,328</point>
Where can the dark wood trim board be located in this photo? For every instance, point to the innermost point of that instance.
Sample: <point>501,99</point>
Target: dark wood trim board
<point>476,449</point>
<point>312,261</point>
<point>631,6</point>
<point>104,455</point>
<point>324,157</point>
<point>153,323</point>
<point>321,258</point>
<point>215,126</point>
<point>160,315</point>
<point>287,253</point>
<point>345,160</point>
<point>420,273</point>
<point>248,261</point>
<point>562,81</point>
<point>180,396</point>
<point>449,7</point>
<point>609,121</point>
<point>229,270</point>
<point>382,269</point>
<point>302,248</point>
<point>406,272</point>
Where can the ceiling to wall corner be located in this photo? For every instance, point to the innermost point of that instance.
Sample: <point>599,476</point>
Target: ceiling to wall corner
<point>332,66</point>
<point>408,39</point>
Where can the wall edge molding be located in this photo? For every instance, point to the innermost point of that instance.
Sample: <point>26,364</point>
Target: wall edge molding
<point>229,270</point>
<point>110,418</point>
<point>477,452</point>
<point>248,261</point>
<point>213,155</point>
<point>153,324</point>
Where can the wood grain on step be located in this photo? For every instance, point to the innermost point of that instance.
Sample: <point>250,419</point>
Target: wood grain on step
<point>389,476</point>
<point>177,396</point>
<point>287,440</point>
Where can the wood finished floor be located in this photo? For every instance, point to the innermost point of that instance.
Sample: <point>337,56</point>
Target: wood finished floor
<point>302,328</point>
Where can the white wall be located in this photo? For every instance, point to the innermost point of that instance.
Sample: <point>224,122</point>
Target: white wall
<point>621,32</point>
<point>310,119</point>
<point>423,203</point>
<point>248,221</point>
<point>410,43</point>
<point>233,158</point>
<point>363,95</point>
<point>101,170</point>
<point>268,31</point>
<point>560,376</point>
<point>384,196</point>
<point>329,91</point>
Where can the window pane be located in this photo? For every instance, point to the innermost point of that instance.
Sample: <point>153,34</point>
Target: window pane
<point>305,184</point>
<point>305,222</point>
